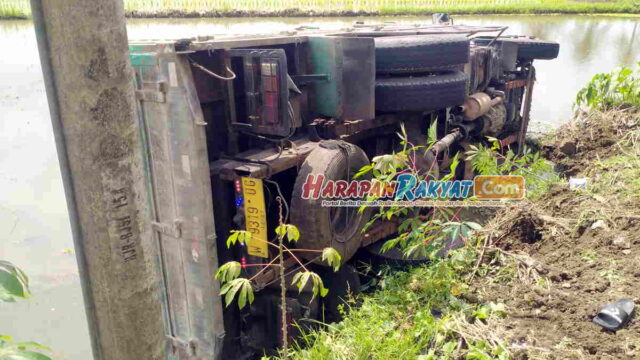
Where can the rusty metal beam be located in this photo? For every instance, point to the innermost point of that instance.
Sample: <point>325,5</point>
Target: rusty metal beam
<point>263,163</point>
<point>526,108</point>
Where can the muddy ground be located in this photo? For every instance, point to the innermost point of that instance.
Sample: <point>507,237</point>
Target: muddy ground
<point>575,250</point>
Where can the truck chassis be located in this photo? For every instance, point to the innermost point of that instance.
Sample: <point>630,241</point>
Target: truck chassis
<point>217,111</point>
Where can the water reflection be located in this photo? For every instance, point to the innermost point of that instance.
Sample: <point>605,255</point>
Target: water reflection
<point>33,220</point>
<point>586,43</point>
<point>627,53</point>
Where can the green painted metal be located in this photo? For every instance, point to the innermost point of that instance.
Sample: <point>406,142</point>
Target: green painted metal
<point>143,59</point>
<point>349,63</point>
<point>177,165</point>
<point>324,60</point>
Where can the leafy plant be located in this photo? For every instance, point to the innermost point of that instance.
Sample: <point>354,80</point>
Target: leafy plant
<point>14,285</point>
<point>235,287</point>
<point>606,90</point>
<point>424,311</point>
<point>231,288</point>
<point>490,309</point>
<point>421,231</point>
<point>493,160</point>
<point>232,285</point>
<point>10,350</point>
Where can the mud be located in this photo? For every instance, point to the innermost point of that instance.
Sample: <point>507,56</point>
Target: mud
<point>577,251</point>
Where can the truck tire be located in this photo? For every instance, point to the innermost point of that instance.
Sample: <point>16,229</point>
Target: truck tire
<point>421,93</point>
<point>420,53</point>
<point>321,227</point>
<point>530,49</point>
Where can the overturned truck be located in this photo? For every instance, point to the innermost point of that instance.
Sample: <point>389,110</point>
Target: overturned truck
<point>231,123</point>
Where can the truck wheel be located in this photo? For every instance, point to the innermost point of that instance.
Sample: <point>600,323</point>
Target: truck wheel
<point>321,227</point>
<point>421,93</point>
<point>420,53</point>
<point>529,49</point>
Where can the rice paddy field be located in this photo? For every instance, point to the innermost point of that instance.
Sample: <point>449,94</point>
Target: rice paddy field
<point>19,9</point>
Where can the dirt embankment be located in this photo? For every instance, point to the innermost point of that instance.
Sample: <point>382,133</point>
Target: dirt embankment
<point>575,250</point>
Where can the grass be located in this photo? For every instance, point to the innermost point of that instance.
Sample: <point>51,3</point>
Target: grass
<point>420,313</point>
<point>12,9</point>
<point>212,8</point>
<point>618,175</point>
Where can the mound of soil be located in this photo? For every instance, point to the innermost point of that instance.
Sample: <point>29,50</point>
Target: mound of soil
<point>588,137</point>
<point>577,252</point>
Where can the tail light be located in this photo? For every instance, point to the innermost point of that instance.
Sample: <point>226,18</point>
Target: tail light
<point>266,90</point>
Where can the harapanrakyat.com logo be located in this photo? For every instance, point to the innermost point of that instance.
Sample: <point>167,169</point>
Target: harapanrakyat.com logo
<point>407,190</point>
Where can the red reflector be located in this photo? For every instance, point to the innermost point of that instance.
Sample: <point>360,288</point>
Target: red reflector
<point>271,100</point>
<point>270,108</point>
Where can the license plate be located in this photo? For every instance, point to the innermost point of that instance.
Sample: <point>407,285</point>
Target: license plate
<point>255,216</point>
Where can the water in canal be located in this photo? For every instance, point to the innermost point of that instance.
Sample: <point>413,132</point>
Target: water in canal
<point>34,229</point>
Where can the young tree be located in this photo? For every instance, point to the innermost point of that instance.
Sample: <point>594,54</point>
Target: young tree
<point>236,287</point>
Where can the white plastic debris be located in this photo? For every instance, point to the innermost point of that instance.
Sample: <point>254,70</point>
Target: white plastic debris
<point>622,242</point>
<point>577,183</point>
<point>598,224</point>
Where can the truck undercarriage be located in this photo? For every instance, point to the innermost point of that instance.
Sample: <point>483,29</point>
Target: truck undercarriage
<point>229,124</point>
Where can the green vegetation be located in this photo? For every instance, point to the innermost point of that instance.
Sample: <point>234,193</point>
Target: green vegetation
<point>620,87</point>
<point>12,9</point>
<point>619,170</point>
<point>236,287</point>
<point>536,170</point>
<point>213,8</point>
<point>229,273</point>
<point>416,236</point>
<point>11,350</point>
<point>435,311</point>
<point>420,313</point>
<point>14,285</point>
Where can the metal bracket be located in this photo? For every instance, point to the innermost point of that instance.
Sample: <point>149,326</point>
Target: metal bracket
<point>157,95</point>
<point>179,349</point>
<point>174,229</point>
<point>309,78</point>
